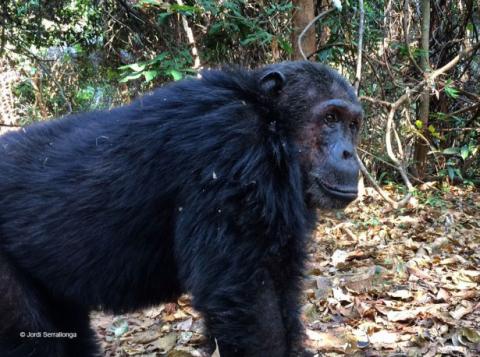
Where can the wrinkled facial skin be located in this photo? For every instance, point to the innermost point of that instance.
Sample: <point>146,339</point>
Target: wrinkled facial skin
<point>326,117</point>
<point>328,141</point>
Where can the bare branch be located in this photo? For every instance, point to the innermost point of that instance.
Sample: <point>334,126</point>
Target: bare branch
<point>191,38</point>
<point>385,196</point>
<point>463,110</point>
<point>358,73</point>
<point>393,107</point>
<point>406,16</point>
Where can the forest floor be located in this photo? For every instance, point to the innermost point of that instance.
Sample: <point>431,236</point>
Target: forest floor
<point>381,282</point>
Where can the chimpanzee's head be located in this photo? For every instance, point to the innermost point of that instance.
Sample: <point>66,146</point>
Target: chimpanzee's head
<point>324,115</point>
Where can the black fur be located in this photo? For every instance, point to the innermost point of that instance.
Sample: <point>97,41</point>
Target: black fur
<point>195,188</point>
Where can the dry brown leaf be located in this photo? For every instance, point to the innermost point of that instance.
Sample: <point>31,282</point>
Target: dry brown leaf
<point>332,341</point>
<point>453,350</point>
<point>462,310</point>
<point>384,338</point>
<point>419,273</point>
<point>360,282</point>
<point>184,325</point>
<point>170,308</point>
<point>402,315</point>
<point>133,350</point>
<point>442,295</point>
<point>470,334</point>
<point>339,295</point>
<point>179,353</point>
<point>339,257</point>
<point>364,309</point>
<point>400,294</point>
<point>324,287</point>
<point>154,312</point>
<point>146,336</point>
<point>472,275</point>
<point>165,343</point>
<point>178,315</point>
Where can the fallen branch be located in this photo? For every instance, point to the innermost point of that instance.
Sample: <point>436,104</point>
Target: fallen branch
<point>382,193</point>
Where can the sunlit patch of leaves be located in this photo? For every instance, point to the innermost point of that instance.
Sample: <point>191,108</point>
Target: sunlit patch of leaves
<point>408,284</point>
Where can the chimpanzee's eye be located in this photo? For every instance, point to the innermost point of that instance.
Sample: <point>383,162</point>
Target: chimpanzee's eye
<point>354,124</point>
<point>331,118</point>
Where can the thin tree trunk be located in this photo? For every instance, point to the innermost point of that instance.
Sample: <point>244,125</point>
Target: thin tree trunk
<point>303,13</point>
<point>421,148</point>
<point>358,74</point>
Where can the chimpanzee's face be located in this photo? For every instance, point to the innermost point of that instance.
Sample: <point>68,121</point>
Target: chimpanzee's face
<point>325,117</point>
<point>328,141</point>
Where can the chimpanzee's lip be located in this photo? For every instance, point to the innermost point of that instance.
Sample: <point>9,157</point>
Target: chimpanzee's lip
<point>342,192</point>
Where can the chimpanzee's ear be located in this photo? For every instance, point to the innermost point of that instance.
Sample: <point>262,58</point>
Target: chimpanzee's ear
<point>272,82</point>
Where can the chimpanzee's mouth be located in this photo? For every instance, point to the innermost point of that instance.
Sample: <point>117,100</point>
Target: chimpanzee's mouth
<point>347,193</point>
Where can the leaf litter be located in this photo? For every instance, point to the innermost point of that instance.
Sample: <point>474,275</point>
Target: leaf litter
<point>380,282</point>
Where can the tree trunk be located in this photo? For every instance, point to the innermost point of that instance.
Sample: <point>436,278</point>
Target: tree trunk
<point>303,13</point>
<point>421,148</point>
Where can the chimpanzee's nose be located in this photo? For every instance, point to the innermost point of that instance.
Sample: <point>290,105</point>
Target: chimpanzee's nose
<point>343,151</point>
<point>347,154</point>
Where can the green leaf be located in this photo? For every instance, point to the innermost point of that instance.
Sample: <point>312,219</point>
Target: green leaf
<point>78,48</point>
<point>158,58</point>
<point>148,2</point>
<point>458,173</point>
<point>419,124</point>
<point>464,152</point>
<point>433,132</point>
<point>85,94</point>
<point>451,172</point>
<point>130,77</point>
<point>176,75</point>
<point>474,149</point>
<point>185,8</point>
<point>451,151</point>
<point>136,67</point>
<point>418,52</point>
<point>150,75</point>
<point>451,92</point>
<point>285,45</point>
<point>163,17</point>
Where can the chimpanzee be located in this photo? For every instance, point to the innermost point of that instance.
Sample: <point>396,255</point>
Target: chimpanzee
<point>209,186</point>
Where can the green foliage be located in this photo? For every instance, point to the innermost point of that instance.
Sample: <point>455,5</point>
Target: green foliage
<point>435,200</point>
<point>433,132</point>
<point>90,54</point>
<point>85,94</point>
<point>464,152</point>
<point>52,23</point>
<point>163,65</point>
<point>451,171</point>
<point>246,24</point>
<point>451,91</point>
<point>169,8</point>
